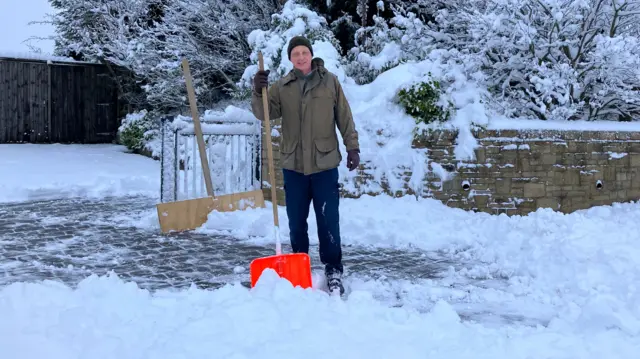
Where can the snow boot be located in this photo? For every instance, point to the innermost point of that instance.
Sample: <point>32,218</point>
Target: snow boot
<point>334,283</point>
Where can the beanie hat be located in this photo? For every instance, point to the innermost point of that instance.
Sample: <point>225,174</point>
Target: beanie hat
<point>297,41</point>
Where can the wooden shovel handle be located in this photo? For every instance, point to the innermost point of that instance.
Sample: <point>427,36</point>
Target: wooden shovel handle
<point>267,124</point>
<point>198,129</point>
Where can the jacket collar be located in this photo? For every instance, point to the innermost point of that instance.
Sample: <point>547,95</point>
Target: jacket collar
<point>317,67</point>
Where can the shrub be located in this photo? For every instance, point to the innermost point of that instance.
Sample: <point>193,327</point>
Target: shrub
<point>136,131</point>
<point>422,102</point>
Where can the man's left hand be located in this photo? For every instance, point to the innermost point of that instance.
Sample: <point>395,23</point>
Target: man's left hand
<point>353,159</point>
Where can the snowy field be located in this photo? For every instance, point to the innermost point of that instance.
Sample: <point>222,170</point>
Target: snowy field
<point>577,275</point>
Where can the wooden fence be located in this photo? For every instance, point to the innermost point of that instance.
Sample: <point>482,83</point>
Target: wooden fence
<point>44,101</point>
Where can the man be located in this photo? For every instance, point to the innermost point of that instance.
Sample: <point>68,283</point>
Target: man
<point>311,103</point>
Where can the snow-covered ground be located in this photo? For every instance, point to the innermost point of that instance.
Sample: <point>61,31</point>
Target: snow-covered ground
<point>106,318</point>
<point>577,275</point>
<point>34,171</point>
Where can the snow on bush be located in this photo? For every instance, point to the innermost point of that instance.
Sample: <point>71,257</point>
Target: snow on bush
<point>551,59</point>
<point>423,101</point>
<point>380,46</point>
<point>139,132</point>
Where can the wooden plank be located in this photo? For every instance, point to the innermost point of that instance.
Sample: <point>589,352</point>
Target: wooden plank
<point>31,107</point>
<point>87,118</point>
<point>22,94</point>
<point>40,118</point>
<point>12,82</point>
<point>12,89</point>
<point>54,118</point>
<point>192,213</point>
<point>49,134</point>
<point>3,102</point>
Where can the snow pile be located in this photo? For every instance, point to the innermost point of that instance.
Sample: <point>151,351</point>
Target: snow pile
<point>36,172</point>
<point>107,318</point>
<point>583,264</point>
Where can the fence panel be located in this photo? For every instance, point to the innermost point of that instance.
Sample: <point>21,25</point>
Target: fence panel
<point>233,151</point>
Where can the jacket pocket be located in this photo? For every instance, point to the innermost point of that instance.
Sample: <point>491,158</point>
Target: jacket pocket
<point>288,154</point>
<point>327,153</point>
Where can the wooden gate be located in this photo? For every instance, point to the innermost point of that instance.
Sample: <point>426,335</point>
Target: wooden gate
<point>233,150</point>
<point>56,102</point>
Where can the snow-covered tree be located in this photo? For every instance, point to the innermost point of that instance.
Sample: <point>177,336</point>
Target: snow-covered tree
<point>211,35</point>
<point>116,32</point>
<point>293,20</point>
<point>386,44</point>
<point>552,59</point>
<point>149,38</point>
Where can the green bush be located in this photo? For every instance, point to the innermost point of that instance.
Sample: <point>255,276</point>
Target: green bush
<point>422,102</point>
<point>136,131</point>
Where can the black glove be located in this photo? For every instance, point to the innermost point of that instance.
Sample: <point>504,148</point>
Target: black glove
<point>353,159</point>
<point>260,80</point>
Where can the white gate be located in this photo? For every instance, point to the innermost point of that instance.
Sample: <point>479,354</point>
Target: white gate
<point>233,149</point>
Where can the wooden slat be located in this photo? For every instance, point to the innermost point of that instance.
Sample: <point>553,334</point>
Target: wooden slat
<point>43,103</point>
<point>4,69</point>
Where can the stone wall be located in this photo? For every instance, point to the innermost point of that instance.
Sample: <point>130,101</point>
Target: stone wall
<point>516,172</point>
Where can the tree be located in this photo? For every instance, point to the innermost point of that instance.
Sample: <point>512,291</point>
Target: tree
<point>551,59</point>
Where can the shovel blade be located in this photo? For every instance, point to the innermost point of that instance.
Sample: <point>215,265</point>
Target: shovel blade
<point>184,215</point>
<point>294,267</point>
<point>190,214</point>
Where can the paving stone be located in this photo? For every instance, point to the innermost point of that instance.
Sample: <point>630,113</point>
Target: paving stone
<point>70,239</point>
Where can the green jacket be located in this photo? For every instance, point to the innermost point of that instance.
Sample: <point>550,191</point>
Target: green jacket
<point>311,108</point>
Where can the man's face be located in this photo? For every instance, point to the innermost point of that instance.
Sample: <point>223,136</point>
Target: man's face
<point>301,58</point>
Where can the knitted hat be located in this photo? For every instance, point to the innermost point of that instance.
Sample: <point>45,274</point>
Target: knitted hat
<point>297,41</point>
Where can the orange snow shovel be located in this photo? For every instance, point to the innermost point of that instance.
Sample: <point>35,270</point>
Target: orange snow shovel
<point>190,214</point>
<point>294,267</point>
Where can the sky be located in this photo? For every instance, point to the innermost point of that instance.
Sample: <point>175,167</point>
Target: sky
<point>15,16</point>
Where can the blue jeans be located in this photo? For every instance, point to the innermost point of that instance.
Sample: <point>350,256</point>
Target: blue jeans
<point>323,189</point>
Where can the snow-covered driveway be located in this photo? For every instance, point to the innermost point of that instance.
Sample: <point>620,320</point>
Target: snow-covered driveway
<point>424,280</point>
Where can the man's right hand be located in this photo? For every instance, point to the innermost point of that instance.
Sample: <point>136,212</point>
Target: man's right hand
<point>260,80</point>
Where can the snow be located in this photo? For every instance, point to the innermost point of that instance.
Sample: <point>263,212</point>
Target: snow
<point>107,318</point>
<point>567,271</point>
<point>572,279</point>
<point>38,172</point>
<point>502,123</point>
<point>37,57</point>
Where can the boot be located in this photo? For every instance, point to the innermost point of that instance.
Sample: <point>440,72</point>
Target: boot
<point>334,283</point>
